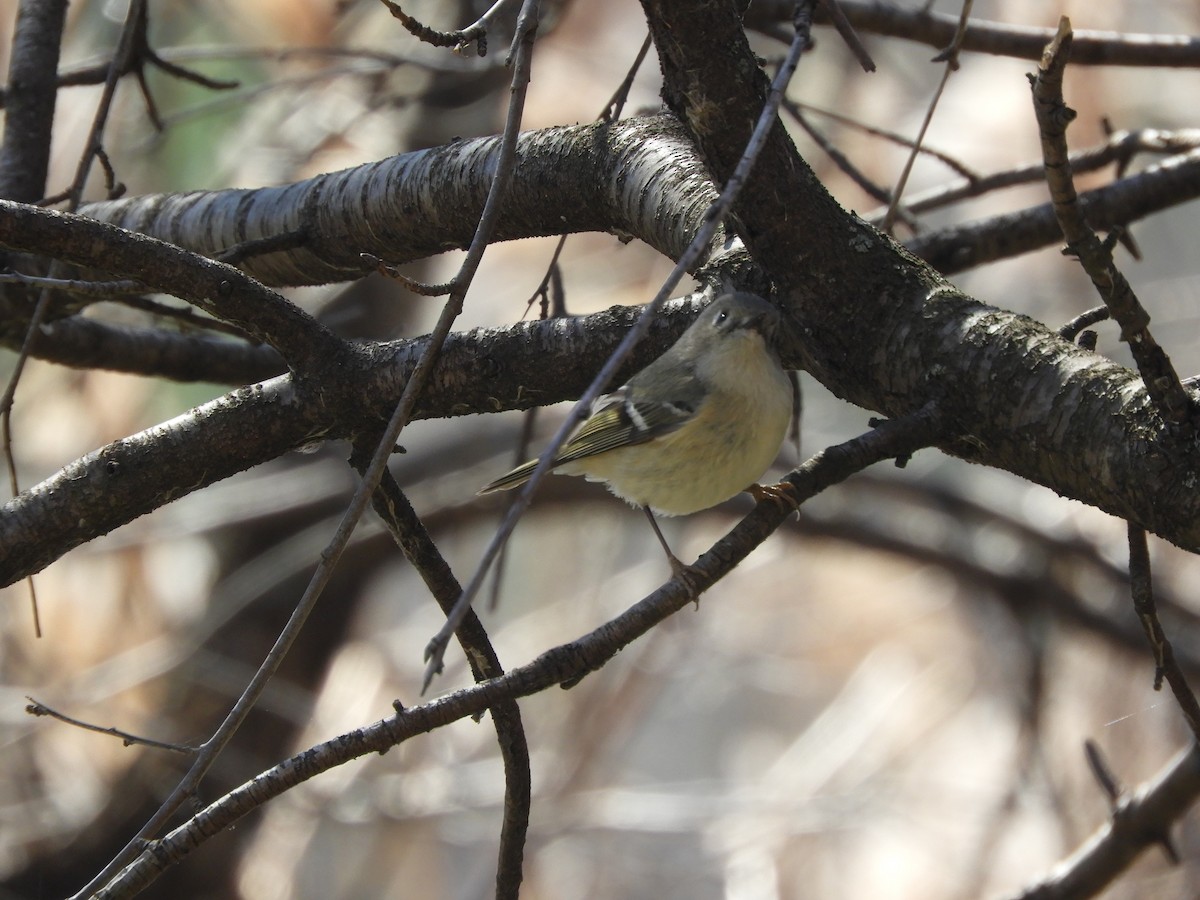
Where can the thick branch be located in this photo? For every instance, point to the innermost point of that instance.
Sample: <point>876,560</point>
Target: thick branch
<point>31,97</point>
<point>87,343</point>
<point>132,476</point>
<point>218,289</point>
<point>884,331</point>
<point>638,176</point>
<point>876,326</point>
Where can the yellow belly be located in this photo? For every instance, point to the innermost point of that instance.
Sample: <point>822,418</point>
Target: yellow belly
<point>707,461</point>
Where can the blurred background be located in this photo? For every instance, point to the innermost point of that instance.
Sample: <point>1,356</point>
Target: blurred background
<point>889,699</point>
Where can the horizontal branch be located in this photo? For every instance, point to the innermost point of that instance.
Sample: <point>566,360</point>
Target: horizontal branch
<point>1094,48</point>
<point>873,326</point>
<point>1162,186</point>
<point>86,342</point>
<point>529,364</point>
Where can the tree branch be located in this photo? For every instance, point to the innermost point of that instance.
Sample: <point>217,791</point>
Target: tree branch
<point>1139,821</point>
<point>1093,48</point>
<point>567,663</point>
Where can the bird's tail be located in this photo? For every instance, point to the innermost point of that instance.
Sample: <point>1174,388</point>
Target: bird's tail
<point>507,482</point>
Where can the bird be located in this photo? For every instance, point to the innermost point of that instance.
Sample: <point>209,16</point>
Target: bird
<point>699,425</point>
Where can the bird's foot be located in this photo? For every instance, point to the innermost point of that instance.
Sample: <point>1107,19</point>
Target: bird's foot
<point>782,493</point>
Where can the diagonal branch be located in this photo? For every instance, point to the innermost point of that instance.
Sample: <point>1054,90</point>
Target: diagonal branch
<point>567,663</point>
<point>1053,116</point>
<point>1139,822</point>
<point>218,289</point>
<point>409,532</point>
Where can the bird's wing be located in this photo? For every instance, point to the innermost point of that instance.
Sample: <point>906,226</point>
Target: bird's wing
<point>620,419</point>
<point>625,417</point>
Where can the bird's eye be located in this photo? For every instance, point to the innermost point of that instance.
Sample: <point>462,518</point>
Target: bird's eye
<point>721,317</point>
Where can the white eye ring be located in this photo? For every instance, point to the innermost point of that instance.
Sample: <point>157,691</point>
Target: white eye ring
<point>721,317</point>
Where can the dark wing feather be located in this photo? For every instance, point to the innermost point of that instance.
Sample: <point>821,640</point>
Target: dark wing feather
<point>622,420</point>
<point>627,416</point>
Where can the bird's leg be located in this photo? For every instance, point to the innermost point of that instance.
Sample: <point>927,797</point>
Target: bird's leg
<point>677,567</point>
<point>782,493</point>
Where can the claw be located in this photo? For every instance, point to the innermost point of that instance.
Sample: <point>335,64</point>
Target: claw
<point>782,493</point>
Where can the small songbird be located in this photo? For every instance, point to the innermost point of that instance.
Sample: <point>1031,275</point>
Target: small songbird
<point>697,426</point>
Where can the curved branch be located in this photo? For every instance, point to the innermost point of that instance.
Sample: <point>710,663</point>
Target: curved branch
<point>639,176</point>
<point>218,289</point>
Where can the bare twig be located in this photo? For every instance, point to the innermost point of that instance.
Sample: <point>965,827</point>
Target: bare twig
<point>612,109</point>
<point>1053,116</point>
<point>37,708</point>
<point>833,9</point>
<point>949,55</point>
<point>892,136</point>
<point>1071,330</point>
<point>957,248</point>
<point>410,535</point>
<point>1119,148</point>
<point>475,33</point>
<point>846,165</point>
<point>1165,665</point>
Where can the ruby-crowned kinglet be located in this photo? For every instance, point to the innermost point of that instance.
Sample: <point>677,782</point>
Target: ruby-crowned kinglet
<point>697,426</point>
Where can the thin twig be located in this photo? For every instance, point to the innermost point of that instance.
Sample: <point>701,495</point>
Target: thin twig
<point>950,56</point>
<point>1071,329</point>
<point>1053,117</point>
<point>894,137</point>
<point>616,103</point>
<point>475,33</point>
<point>963,246</point>
<point>1165,665</point>
<point>833,9</point>
<point>37,708</point>
<point>1119,148</point>
<point>844,163</point>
